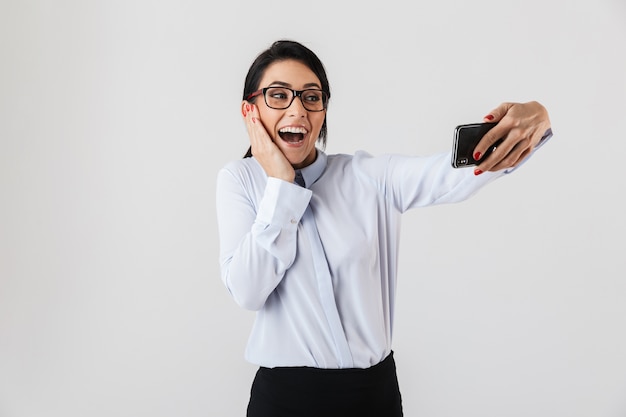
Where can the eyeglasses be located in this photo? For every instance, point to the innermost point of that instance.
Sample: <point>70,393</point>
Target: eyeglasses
<point>280,98</point>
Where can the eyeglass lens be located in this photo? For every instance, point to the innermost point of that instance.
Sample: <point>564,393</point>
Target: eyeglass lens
<point>281,98</point>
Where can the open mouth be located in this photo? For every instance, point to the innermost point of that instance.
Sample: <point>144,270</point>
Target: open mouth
<point>292,134</point>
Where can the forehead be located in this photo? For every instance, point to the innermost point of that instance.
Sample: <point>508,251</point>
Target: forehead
<point>291,72</point>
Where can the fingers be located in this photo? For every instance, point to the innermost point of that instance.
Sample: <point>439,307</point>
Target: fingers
<point>259,138</point>
<point>520,125</point>
<point>250,115</point>
<point>509,154</point>
<point>495,115</point>
<point>265,151</point>
<point>499,131</point>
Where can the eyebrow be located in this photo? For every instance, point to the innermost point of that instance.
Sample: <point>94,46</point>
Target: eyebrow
<point>284,84</point>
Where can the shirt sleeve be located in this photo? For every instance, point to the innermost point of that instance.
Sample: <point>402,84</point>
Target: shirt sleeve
<point>420,181</point>
<point>257,241</point>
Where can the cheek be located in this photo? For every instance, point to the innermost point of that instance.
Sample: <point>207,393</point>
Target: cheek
<point>267,121</point>
<point>317,122</point>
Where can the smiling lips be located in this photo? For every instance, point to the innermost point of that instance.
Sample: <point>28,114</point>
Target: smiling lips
<point>292,134</point>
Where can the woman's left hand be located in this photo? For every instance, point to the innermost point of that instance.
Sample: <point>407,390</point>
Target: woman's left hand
<point>521,125</point>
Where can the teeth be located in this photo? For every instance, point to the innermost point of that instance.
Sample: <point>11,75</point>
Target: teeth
<point>293,129</point>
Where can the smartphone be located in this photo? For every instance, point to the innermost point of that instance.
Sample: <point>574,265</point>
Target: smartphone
<point>466,137</point>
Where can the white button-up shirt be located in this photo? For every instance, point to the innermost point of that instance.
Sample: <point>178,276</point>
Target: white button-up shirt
<point>319,264</point>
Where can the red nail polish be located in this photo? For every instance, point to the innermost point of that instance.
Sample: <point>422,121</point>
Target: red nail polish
<point>477,171</point>
<point>254,120</point>
<point>489,117</point>
<point>247,107</point>
<point>477,155</point>
<point>243,111</point>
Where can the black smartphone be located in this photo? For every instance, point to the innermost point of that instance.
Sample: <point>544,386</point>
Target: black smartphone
<point>466,137</point>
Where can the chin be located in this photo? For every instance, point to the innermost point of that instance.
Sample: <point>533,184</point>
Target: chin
<point>302,162</point>
<point>296,163</point>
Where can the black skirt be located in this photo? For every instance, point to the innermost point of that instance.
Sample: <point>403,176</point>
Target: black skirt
<point>313,392</point>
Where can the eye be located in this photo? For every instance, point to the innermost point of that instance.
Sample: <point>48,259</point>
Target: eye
<point>312,96</point>
<point>278,93</point>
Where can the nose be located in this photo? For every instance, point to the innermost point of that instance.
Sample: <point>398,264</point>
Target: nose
<point>297,108</point>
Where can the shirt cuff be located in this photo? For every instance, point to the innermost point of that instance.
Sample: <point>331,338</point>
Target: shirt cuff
<point>272,208</point>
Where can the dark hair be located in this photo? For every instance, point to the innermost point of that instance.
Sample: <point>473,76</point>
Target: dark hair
<point>280,51</point>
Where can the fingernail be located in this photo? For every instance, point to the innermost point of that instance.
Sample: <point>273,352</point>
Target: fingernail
<point>489,117</point>
<point>247,107</point>
<point>243,111</point>
<point>477,171</point>
<point>254,120</point>
<point>477,155</point>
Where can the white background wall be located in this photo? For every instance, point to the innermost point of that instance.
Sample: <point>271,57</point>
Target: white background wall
<point>116,115</point>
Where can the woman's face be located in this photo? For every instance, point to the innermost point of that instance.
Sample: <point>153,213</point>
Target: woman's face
<point>294,129</point>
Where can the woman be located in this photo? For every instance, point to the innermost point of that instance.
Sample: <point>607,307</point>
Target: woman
<point>310,241</point>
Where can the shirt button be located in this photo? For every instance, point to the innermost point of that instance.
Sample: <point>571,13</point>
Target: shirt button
<point>294,221</point>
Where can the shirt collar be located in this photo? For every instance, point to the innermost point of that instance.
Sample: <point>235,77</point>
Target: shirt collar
<point>312,172</point>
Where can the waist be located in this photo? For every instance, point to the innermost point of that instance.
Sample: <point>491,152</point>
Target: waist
<point>377,372</point>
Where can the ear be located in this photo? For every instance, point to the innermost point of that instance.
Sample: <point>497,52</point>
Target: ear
<point>244,112</point>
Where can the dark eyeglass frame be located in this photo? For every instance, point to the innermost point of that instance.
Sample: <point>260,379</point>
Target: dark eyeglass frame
<point>296,93</point>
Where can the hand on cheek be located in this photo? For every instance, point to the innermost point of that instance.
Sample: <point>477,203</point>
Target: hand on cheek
<point>263,147</point>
